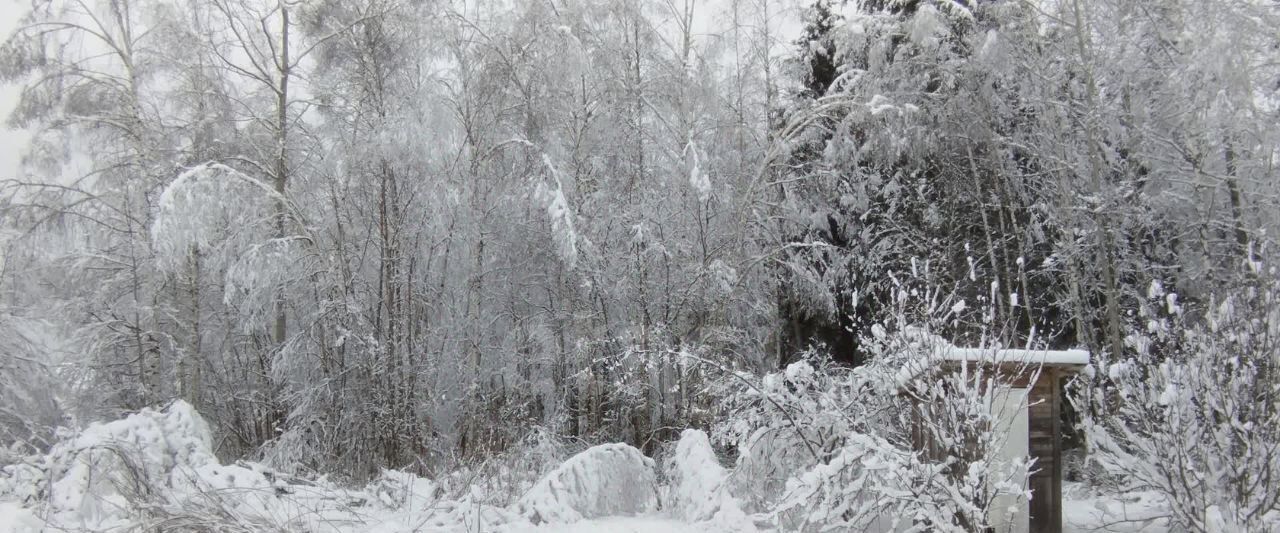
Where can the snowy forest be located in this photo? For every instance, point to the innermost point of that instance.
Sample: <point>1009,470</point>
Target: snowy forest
<point>638,265</point>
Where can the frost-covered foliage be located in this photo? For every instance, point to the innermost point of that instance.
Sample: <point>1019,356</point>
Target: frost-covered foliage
<point>223,217</point>
<point>206,205</point>
<point>786,422</point>
<point>22,482</point>
<point>29,388</point>
<point>1193,412</point>
<point>604,480</point>
<point>1010,140</point>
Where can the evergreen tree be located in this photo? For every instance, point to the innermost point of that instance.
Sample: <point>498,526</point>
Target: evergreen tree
<point>817,49</point>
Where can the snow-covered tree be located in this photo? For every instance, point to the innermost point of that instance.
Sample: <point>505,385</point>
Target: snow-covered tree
<point>31,402</point>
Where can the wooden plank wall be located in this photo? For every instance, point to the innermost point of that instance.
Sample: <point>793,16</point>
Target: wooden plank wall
<point>1046,447</point>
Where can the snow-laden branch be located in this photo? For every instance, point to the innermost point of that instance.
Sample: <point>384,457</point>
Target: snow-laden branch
<point>560,213</point>
<point>203,202</point>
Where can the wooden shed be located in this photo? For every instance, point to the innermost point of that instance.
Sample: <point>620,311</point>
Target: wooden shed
<point>1030,410</point>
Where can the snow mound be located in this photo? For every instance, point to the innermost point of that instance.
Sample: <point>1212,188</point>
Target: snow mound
<point>605,480</point>
<point>15,519</point>
<point>98,472</point>
<point>700,485</point>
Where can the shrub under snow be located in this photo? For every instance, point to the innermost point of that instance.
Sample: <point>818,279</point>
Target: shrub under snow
<point>699,490</point>
<point>605,480</point>
<point>107,466</point>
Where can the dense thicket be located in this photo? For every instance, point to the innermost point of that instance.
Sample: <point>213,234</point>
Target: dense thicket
<point>405,232</point>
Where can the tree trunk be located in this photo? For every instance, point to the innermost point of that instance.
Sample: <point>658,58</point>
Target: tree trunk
<point>1237,204</point>
<point>282,163</point>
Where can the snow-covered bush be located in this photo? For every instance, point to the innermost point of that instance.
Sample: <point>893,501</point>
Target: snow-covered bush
<point>108,467</point>
<point>851,489</point>
<point>834,447</point>
<point>605,480</point>
<point>154,468</point>
<point>786,422</point>
<point>1193,411</point>
<point>699,485</point>
<point>963,482</point>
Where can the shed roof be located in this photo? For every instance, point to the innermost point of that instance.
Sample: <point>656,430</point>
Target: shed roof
<point>937,352</point>
<point>1075,357</point>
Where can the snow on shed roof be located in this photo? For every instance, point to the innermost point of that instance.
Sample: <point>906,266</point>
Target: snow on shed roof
<point>936,352</point>
<point>1009,355</point>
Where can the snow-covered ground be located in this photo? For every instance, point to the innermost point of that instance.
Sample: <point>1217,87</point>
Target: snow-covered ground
<point>155,469</point>
<point>1132,512</point>
<point>645,524</point>
<point>1081,517</point>
<point>16,519</point>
